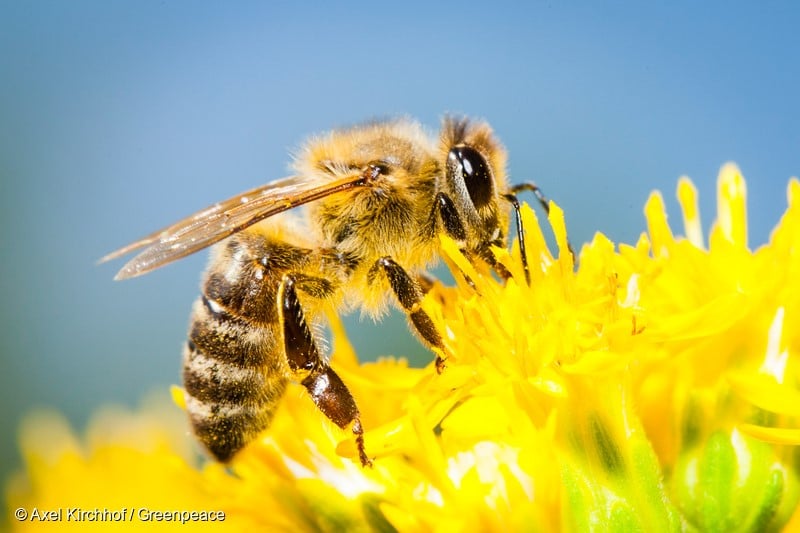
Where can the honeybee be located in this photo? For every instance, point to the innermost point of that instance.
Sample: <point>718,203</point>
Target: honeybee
<point>379,195</point>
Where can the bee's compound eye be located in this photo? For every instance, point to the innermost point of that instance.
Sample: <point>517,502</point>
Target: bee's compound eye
<point>475,172</point>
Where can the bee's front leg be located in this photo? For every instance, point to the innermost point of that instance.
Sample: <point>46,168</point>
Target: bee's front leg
<point>326,388</point>
<point>409,295</point>
<point>447,215</point>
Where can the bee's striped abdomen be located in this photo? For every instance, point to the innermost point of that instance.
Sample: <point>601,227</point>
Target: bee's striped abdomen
<point>234,367</point>
<point>232,392</point>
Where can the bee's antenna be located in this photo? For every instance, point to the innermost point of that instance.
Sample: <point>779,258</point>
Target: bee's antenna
<point>532,187</point>
<point>545,203</point>
<point>511,197</point>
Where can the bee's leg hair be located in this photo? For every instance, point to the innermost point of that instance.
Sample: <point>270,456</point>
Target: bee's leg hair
<point>326,388</point>
<point>409,294</point>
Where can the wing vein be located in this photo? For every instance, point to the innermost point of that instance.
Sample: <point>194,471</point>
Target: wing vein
<point>222,219</point>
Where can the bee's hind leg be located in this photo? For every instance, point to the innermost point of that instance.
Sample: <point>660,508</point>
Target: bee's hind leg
<point>410,294</point>
<point>326,388</point>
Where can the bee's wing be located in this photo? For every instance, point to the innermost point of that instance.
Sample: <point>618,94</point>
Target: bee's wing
<point>223,219</point>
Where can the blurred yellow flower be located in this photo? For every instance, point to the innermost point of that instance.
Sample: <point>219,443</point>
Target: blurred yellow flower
<point>652,388</point>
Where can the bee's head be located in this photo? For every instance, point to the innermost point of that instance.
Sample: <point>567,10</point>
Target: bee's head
<point>475,179</point>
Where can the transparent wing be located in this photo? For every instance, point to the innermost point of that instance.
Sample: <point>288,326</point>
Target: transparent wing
<point>223,219</point>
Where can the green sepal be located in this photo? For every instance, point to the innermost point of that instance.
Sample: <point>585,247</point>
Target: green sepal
<point>626,499</point>
<point>732,482</point>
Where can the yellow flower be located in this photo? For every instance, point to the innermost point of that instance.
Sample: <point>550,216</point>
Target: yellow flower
<point>653,387</point>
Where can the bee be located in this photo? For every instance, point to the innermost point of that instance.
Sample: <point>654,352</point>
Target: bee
<point>379,195</point>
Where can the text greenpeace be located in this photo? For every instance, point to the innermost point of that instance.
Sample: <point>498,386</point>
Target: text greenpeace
<point>123,514</point>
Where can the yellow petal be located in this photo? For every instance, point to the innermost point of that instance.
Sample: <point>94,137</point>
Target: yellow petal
<point>763,391</point>
<point>657,226</point>
<point>773,435</point>
<point>687,196</point>
<point>732,205</point>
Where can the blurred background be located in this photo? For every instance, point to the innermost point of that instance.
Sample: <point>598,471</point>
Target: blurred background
<point>117,118</point>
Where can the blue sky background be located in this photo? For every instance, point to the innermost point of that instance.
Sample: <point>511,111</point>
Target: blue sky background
<point>117,118</point>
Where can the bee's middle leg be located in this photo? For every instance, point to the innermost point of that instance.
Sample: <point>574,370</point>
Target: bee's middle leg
<point>326,388</point>
<point>409,294</point>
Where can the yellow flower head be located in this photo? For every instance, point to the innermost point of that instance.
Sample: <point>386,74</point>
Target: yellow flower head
<point>652,387</point>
